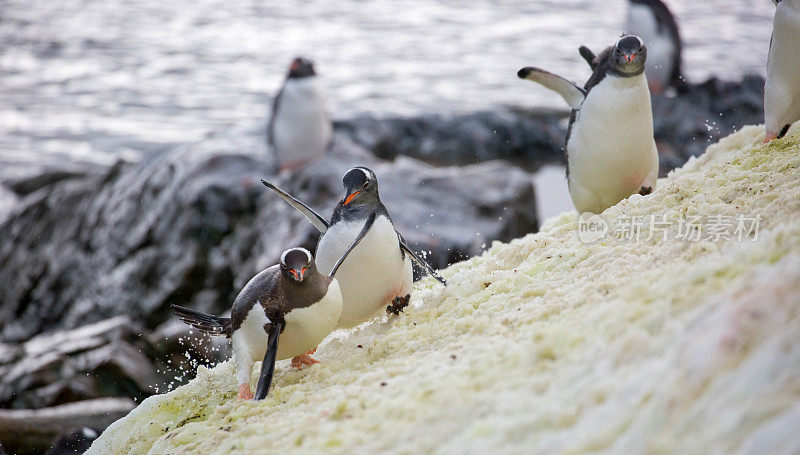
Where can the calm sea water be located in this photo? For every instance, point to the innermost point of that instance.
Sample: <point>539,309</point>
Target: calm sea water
<point>91,81</point>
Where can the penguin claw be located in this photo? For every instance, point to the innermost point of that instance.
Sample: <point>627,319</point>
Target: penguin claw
<point>245,393</point>
<point>398,305</point>
<point>304,359</point>
<point>645,190</point>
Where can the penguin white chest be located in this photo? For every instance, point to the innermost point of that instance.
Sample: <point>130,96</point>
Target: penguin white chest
<point>301,129</point>
<point>307,327</point>
<point>782,89</point>
<point>372,275</point>
<point>611,150</point>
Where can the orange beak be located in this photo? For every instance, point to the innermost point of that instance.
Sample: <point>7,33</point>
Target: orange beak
<point>630,57</point>
<point>298,276</point>
<point>350,198</point>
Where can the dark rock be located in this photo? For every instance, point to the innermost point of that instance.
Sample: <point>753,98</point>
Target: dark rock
<point>109,358</point>
<point>27,184</point>
<point>190,227</point>
<point>32,431</point>
<point>526,138</point>
<point>73,442</point>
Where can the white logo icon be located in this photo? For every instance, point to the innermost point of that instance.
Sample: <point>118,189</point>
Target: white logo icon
<point>591,227</point>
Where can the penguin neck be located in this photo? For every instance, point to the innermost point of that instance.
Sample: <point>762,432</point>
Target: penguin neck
<point>627,80</point>
<point>357,212</point>
<point>306,293</point>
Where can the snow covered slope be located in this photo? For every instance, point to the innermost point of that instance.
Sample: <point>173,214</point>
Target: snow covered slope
<point>552,345</point>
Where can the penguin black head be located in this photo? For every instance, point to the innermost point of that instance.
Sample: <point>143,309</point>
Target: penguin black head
<point>629,55</point>
<point>301,67</point>
<point>361,186</point>
<point>296,264</point>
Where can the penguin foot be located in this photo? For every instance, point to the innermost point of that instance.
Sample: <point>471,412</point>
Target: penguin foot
<point>304,359</point>
<point>244,392</point>
<point>655,88</point>
<point>398,304</point>
<point>770,136</point>
<point>645,190</point>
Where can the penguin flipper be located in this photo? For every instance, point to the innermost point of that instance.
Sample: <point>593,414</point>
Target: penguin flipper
<point>420,262</point>
<point>571,93</point>
<point>367,225</point>
<point>268,365</point>
<point>588,55</point>
<point>316,219</point>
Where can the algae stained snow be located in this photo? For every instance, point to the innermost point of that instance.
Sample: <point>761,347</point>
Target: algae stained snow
<point>548,344</point>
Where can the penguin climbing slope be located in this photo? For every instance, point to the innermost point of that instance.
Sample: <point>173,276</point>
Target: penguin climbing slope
<point>611,152</point>
<point>782,89</point>
<point>377,272</point>
<point>290,301</point>
<point>653,22</point>
<point>299,128</point>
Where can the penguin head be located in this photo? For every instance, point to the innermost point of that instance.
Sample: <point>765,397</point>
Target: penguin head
<point>301,67</point>
<point>629,55</point>
<point>361,187</point>
<point>297,264</point>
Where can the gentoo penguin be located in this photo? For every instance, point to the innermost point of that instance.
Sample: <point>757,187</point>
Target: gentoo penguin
<point>299,128</point>
<point>290,300</point>
<point>652,21</point>
<point>377,272</point>
<point>611,152</point>
<point>782,89</point>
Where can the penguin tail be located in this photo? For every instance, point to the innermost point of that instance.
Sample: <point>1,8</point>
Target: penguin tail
<point>204,322</point>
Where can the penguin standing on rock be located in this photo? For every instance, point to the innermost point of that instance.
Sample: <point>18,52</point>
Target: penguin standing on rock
<point>611,152</point>
<point>299,128</point>
<point>782,89</point>
<point>291,300</point>
<point>377,271</point>
<point>653,22</point>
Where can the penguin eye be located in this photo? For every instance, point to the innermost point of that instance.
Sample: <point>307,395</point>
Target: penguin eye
<point>366,184</point>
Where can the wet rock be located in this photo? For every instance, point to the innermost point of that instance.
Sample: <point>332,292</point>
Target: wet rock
<point>191,226</point>
<point>528,138</point>
<point>108,358</point>
<point>73,442</point>
<point>32,431</point>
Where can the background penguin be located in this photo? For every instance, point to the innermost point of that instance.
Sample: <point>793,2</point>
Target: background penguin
<point>653,22</point>
<point>378,270</point>
<point>291,300</point>
<point>611,152</point>
<point>299,128</point>
<point>782,89</point>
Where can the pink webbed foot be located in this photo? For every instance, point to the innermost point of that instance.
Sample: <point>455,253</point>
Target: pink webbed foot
<point>244,392</point>
<point>304,359</point>
<point>770,136</point>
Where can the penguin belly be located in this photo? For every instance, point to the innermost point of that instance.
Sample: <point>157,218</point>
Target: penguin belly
<point>611,150</point>
<point>301,129</point>
<point>660,48</point>
<point>782,89</point>
<point>307,327</point>
<point>372,275</point>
